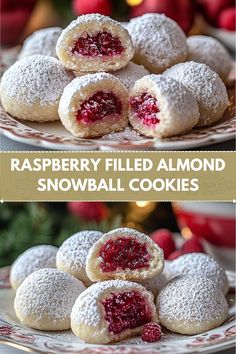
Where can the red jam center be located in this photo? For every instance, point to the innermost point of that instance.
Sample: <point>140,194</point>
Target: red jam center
<point>123,253</point>
<point>145,108</point>
<point>103,43</point>
<point>98,106</point>
<point>126,311</point>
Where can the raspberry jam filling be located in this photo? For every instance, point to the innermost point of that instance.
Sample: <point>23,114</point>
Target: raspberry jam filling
<point>123,253</point>
<point>126,311</point>
<point>99,106</point>
<point>101,44</point>
<point>145,107</point>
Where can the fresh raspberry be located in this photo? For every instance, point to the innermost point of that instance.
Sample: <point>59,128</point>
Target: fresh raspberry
<point>192,245</point>
<point>151,332</point>
<point>227,18</point>
<point>175,255</point>
<point>164,239</point>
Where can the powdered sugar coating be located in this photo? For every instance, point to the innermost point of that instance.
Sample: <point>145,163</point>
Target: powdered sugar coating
<point>82,82</point>
<point>41,42</point>
<point>71,256</point>
<point>127,134</point>
<point>130,74</point>
<point>85,309</point>
<point>34,258</point>
<point>199,263</point>
<point>191,304</point>
<point>159,42</point>
<point>208,50</point>
<point>35,79</point>
<point>45,299</point>
<point>206,85</point>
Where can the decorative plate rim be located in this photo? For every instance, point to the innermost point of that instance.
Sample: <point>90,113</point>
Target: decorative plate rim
<point>27,339</point>
<point>19,131</point>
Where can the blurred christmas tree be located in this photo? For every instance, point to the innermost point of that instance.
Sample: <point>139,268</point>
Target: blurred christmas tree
<point>23,225</point>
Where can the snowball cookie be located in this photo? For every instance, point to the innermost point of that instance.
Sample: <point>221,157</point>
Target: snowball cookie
<point>42,42</point>
<point>111,310</point>
<point>157,283</point>
<point>206,85</point>
<point>158,41</point>
<point>124,253</point>
<point>32,87</point>
<point>130,74</point>
<point>34,258</point>
<point>45,299</point>
<point>191,304</point>
<point>94,105</point>
<point>93,43</point>
<point>209,51</point>
<point>161,107</point>
<point>199,263</point>
<point>71,256</point>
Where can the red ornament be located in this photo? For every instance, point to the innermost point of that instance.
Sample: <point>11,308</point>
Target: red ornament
<point>181,11</point>
<point>154,6</point>
<point>164,239</point>
<point>89,211</point>
<point>212,8</point>
<point>227,19</point>
<point>82,7</point>
<point>151,332</point>
<point>14,17</point>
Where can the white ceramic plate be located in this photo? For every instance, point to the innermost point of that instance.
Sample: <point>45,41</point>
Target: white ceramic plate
<point>54,136</point>
<point>13,333</point>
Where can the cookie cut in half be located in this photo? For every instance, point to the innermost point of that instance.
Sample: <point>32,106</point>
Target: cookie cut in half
<point>112,310</point>
<point>94,43</point>
<point>124,254</point>
<point>93,105</point>
<point>191,304</point>
<point>162,107</point>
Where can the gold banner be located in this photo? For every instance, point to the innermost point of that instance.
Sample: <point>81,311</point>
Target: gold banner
<point>117,176</point>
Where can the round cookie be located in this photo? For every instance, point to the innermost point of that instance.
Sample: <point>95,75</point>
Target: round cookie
<point>125,254</point>
<point>41,42</point>
<point>206,85</point>
<point>94,105</point>
<point>199,263</point>
<point>34,258</point>
<point>158,42</point>
<point>161,107</point>
<point>45,299</point>
<point>93,43</point>
<point>112,310</point>
<point>191,304</point>
<point>157,283</point>
<point>209,51</point>
<point>130,74</point>
<point>71,256</point>
<point>32,87</point>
